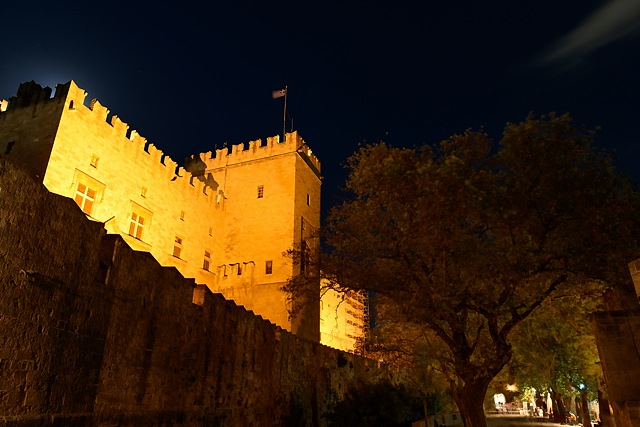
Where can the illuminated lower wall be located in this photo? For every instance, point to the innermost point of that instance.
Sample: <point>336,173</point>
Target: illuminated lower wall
<point>95,333</point>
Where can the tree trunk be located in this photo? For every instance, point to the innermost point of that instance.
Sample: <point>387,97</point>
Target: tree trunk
<point>470,401</point>
<point>559,411</point>
<point>605,416</point>
<point>584,407</point>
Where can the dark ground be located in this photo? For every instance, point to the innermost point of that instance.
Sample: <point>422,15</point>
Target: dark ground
<point>507,420</point>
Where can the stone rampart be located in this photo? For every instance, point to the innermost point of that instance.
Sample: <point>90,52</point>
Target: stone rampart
<point>95,333</point>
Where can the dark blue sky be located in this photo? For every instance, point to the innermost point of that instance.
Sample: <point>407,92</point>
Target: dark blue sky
<point>189,77</point>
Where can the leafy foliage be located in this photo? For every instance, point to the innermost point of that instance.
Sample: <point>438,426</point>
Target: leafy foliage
<point>464,241</point>
<point>555,348</point>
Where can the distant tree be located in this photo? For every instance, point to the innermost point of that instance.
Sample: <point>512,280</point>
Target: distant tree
<point>555,350</point>
<point>467,239</point>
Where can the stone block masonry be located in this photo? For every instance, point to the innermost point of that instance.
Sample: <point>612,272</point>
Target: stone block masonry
<point>95,333</point>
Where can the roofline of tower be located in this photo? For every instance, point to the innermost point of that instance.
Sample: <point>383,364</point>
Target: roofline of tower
<point>309,163</point>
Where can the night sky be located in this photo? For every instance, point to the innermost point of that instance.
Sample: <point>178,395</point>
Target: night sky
<point>191,77</point>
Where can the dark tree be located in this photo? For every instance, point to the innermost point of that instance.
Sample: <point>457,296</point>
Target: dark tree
<point>467,239</point>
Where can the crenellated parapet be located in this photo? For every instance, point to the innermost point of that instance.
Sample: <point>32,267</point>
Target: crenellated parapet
<point>34,97</point>
<point>69,100</point>
<point>127,141</point>
<point>29,94</point>
<point>259,150</point>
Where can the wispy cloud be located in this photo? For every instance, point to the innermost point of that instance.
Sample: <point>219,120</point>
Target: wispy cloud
<point>615,20</point>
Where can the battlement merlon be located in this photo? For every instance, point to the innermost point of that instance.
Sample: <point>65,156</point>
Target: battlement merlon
<point>31,94</point>
<point>71,92</point>
<point>99,110</point>
<point>257,150</point>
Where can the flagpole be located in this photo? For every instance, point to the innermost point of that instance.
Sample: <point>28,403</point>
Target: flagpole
<point>284,115</point>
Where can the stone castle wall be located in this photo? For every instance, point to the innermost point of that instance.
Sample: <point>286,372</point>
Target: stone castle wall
<point>209,205</point>
<point>95,333</point>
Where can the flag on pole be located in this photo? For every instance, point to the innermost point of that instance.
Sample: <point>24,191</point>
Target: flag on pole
<point>278,93</point>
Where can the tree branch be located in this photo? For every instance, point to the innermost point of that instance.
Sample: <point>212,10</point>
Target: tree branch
<point>518,317</point>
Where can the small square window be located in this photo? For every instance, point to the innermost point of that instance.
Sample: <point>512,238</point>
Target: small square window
<point>177,247</point>
<point>268,267</point>
<point>260,191</point>
<point>207,260</point>
<point>143,192</point>
<point>94,161</point>
<point>182,213</point>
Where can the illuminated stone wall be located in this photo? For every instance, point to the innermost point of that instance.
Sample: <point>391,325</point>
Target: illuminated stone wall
<point>210,224</point>
<point>95,333</point>
<point>343,319</point>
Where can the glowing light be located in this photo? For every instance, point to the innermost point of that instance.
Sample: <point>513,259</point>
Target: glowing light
<point>511,387</point>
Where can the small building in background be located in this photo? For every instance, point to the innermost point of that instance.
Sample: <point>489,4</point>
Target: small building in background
<point>343,319</point>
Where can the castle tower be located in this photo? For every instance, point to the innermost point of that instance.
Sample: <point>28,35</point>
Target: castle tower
<point>224,219</point>
<point>28,125</point>
<point>270,198</point>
